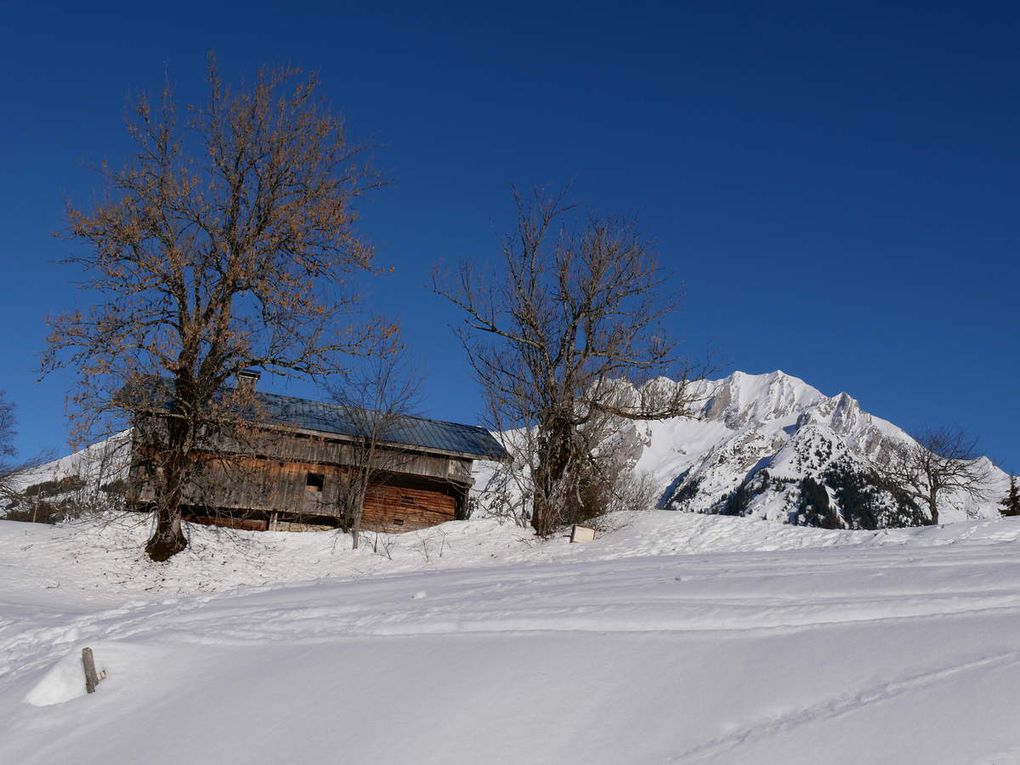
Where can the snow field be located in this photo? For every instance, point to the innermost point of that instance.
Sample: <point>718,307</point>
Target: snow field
<point>763,644</point>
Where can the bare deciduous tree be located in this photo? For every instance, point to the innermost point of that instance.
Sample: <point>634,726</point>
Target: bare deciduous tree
<point>938,461</point>
<point>15,475</point>
<point>566,339</point>
<point>505,494</point>
<point>375,401</point>
<point>226,242</point>
<point>7,469</point>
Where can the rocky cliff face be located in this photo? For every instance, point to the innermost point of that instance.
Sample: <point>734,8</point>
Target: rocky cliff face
<point>772,446</point>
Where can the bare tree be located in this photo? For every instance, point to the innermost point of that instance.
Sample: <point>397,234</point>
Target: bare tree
<point>8,470</point>
<point>376,400</point>
<point>14,474</point>
<point>939,461</point>
<point>566,339</point>
<point>505,494</point>
<point>226,242</point>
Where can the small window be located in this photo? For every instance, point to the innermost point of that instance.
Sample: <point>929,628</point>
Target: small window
<point>406,500</point>
<point>398,521</point>
<point>314,482</point>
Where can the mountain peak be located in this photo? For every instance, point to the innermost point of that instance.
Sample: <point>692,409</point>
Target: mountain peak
<point>758,437</point>
<point>743,398</point>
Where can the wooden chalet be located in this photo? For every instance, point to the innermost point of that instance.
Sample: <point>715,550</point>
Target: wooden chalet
<point>284,468</point>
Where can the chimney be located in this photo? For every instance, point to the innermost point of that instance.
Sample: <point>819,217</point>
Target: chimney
<point>247,379</point>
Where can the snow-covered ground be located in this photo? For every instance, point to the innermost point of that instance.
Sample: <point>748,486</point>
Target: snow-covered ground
<point>672,638</point>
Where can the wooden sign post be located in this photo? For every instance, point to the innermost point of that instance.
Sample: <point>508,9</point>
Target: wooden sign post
<point>92,678</point>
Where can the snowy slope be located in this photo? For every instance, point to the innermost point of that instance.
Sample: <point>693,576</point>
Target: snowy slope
<point>794,648</point>
<point>98,555</point>
<point>96,465</point>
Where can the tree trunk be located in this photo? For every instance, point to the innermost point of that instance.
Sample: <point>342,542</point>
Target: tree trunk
<point>356,505</point>
<point>542,510</point>
<point>934,508</point>
<point>541,513</point>
<point>168,538</point>
<point>553,455</point>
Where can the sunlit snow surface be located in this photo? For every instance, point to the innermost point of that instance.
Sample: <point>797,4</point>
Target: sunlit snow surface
<point>673,638</point>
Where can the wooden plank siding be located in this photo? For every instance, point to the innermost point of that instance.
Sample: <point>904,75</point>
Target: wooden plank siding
<point>243,482</point>
<point>401,508</point>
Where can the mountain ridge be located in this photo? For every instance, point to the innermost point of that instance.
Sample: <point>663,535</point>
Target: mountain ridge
<point>763,436</point>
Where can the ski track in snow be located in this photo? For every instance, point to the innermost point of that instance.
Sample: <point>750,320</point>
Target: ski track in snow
<point>840,705</point>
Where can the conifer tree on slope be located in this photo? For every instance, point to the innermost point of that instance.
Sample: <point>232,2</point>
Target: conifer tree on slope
<point>1011,502</point>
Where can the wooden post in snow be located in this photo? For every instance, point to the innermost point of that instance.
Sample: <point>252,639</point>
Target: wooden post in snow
<point>89,663</point>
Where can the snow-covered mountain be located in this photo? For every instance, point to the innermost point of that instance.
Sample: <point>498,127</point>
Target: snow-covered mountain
<point>774,447</point>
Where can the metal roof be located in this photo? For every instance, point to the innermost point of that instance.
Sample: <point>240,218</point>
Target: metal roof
<point>404,430</point>
<point>321,417</point>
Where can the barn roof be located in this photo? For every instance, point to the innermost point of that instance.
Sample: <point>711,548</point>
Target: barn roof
<point>404,430</point>
<point>417,433</point>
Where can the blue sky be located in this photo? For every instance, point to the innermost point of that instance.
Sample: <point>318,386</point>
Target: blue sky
<point>835,190</point>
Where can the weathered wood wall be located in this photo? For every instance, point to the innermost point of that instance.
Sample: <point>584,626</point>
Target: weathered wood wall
<point>250,476</point>
<point>402,508</point>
